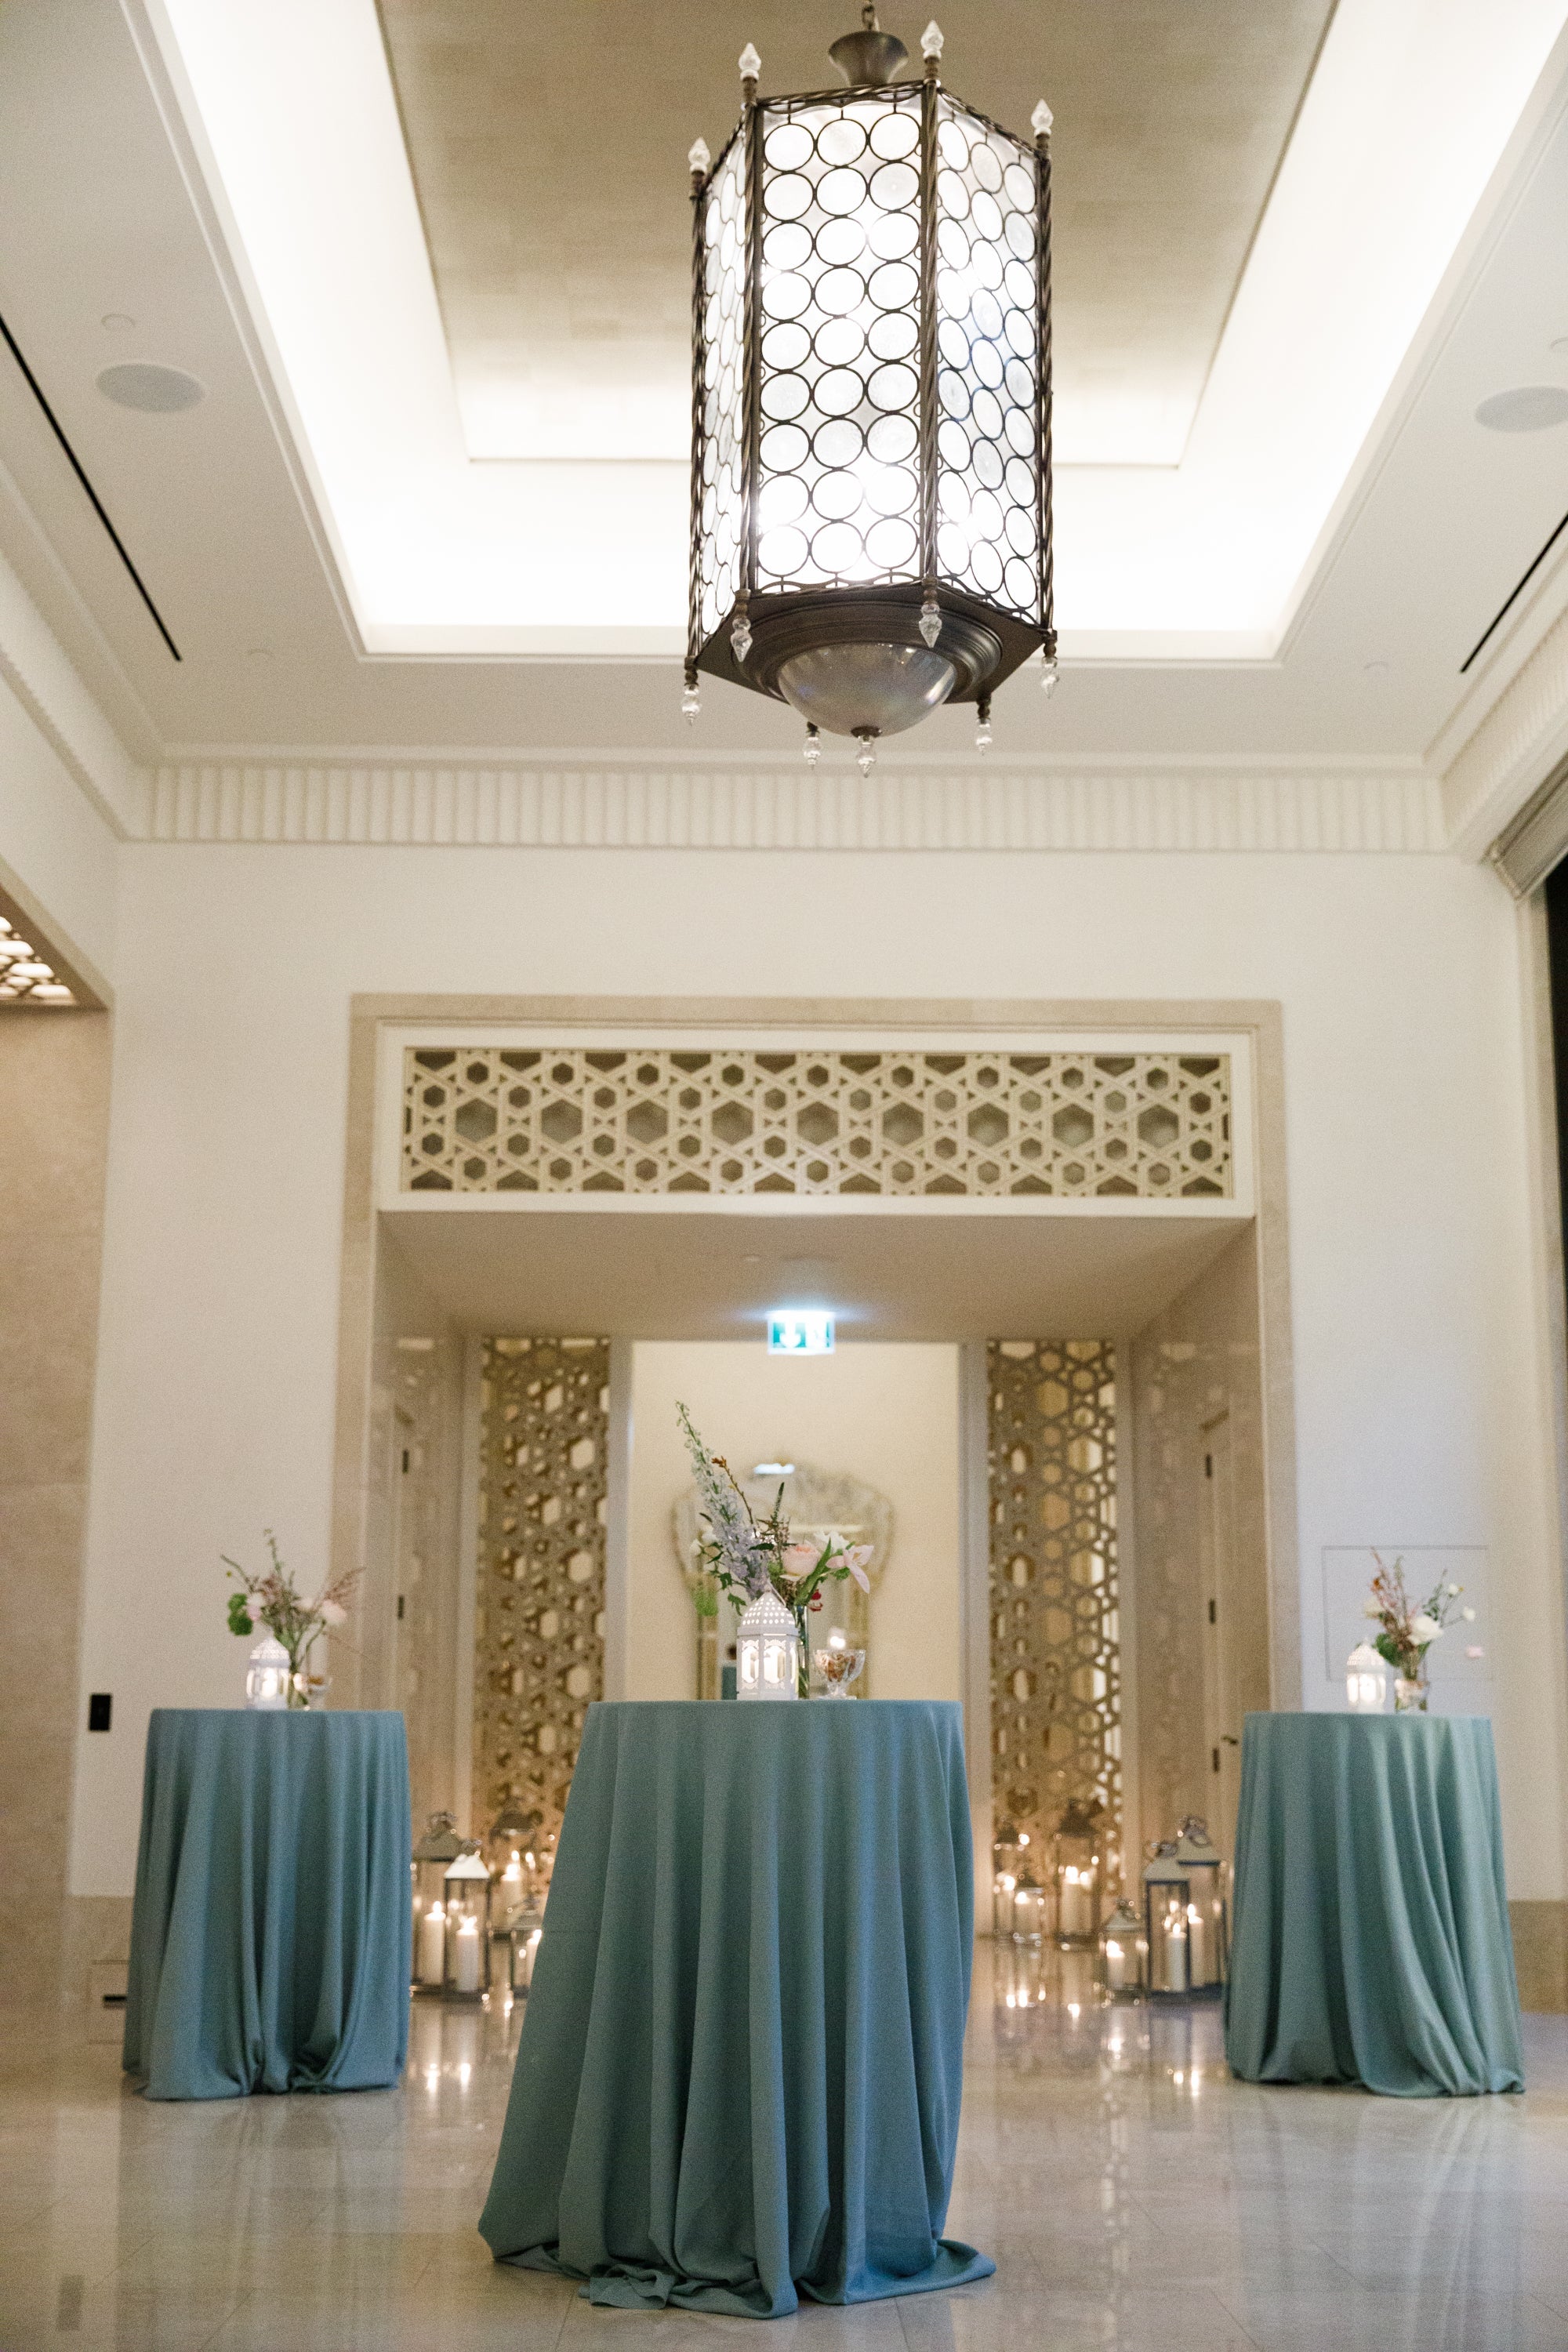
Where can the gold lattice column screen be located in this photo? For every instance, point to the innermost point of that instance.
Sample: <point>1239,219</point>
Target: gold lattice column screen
<point>1056,1667</point>
<point>539,1639</point>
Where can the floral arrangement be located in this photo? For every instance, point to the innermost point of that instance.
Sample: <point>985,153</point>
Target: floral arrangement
<point>747,1556</point>
<point>1407,1630</point>
<point>272,1600</point>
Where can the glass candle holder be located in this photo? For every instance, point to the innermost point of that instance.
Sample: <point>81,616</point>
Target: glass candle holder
<point>838,1668</point>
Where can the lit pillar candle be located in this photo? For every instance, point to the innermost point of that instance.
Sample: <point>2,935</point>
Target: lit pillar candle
<point>1197,1946</point>
<point>466,1959</point>
<point>1175,1952</point>
<point>1076,1911</point>
<point>433,1946</point>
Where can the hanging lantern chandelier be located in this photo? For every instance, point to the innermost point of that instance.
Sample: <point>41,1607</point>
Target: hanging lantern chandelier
<point>871,399</point>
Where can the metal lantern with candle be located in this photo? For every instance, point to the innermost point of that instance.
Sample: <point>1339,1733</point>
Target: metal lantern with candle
<point>1366,1680</point>
<point>1077,1870</point>
<point>1121,1954</point>
<point>434,1854</point>
<point>267,1677</point>
<point>1167,1892</point>
<point>1005,1852</point>
<point>767,1650</point>
<point>1031,1908</point>
<point>1209,1919</point>
<point>466,1894</point>
<point>871,399</point>
<point>523,1946</point>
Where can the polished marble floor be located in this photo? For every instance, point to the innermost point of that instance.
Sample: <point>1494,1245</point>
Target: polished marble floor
<point>1132,2194</point>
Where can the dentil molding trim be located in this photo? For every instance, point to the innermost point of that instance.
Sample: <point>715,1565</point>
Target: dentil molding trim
<point>1395,808</point>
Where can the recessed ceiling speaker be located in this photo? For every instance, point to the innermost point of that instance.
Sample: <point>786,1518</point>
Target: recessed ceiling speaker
<point>1531,408</point>
<point>157,391</point>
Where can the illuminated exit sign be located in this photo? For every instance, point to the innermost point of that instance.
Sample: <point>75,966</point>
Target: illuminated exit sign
<point>795,1333</point>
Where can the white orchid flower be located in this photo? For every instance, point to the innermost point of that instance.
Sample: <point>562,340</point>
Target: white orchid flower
<point>1456,1589</point>
<point>1425,1629</point>
<point>855,1559</point>
<point>1469,1615</point>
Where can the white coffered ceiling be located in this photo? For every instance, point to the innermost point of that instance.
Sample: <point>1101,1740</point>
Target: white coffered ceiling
<point>227,189</point>
<point>548,150</point>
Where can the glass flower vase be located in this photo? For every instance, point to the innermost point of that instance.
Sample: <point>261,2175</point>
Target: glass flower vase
<point>1410,1695</point>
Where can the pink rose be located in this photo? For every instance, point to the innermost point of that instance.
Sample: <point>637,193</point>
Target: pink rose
<point>799,1560</point>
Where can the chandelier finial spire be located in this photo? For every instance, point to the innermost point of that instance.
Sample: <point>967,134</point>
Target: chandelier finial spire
<point>750,67</point>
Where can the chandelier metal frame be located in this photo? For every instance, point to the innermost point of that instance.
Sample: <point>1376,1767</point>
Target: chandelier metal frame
<point>871,320</point>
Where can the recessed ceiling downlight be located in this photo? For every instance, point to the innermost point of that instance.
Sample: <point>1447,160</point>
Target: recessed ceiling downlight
<point>157,391</point>
<point>1529,408</point>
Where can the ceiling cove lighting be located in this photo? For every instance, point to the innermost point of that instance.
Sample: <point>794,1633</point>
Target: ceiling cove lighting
<point>871,399</point>
<point>798,1331</point>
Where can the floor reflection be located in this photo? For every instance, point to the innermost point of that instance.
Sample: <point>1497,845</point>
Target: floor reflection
<point>1135,2198</point>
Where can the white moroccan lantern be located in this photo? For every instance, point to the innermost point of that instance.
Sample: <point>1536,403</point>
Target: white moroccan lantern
<point>767,1650</point>
<point>267,1678</point>
<point>1366,1680</point>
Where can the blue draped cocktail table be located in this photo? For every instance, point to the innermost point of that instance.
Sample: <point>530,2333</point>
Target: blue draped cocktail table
<point>270,1938</point>
<point>1372,1941</point>
<point>740,2072</point>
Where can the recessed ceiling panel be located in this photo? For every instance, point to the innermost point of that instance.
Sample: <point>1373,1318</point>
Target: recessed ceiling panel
<point>548,147</point>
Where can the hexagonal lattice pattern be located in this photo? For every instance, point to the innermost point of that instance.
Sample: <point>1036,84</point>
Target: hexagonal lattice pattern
<point>561,1120</point>
<point>24,977</point>
<point>1056,1664</point>
<point>540,1630</point>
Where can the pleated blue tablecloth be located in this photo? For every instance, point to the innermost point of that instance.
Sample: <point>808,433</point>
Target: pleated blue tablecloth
<point>1372,1941</point>
<point>270,1939</point>
<point>740,2071</point>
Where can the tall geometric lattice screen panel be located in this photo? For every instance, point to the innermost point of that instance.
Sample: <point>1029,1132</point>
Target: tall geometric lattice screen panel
<point>563,1118</point>
<point>1055,1666</point>
<point>539,1640</point>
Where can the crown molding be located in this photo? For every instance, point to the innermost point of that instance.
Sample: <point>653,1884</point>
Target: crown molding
<point>46,684</point>
<point>623,804</point>
<point>1521,739</point>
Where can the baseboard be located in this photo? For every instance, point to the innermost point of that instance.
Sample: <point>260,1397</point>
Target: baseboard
<point>1541,1954</point>
<point>96,1932</point>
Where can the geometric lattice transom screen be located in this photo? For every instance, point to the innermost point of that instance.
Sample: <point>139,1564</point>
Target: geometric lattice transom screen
<point>539,1636</point>
<point>1055,1661</point>
<point>551,1118</point>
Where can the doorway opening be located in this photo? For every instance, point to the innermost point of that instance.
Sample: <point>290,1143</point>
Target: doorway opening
<point>1066,1403</point>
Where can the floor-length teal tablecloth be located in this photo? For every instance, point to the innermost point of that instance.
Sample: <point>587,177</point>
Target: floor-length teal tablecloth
<point>740,2072</point>
<point>1372,1941</point>
<point>270,1938</point>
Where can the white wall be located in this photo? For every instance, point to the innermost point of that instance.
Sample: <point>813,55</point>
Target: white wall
<point>1418,1419</point>
<point>887,1415</point>
<point>53,844</point>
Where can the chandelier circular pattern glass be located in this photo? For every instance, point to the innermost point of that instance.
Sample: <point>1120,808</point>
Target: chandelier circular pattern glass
<point>871,399</point>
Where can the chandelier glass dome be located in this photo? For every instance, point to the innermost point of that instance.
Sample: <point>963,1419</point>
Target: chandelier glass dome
<point>871,399</point>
